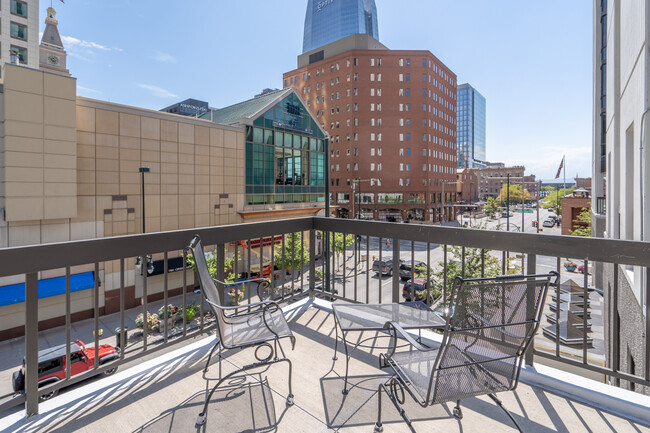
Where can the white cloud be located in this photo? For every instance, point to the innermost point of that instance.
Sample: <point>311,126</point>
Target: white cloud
<point>157,91</point>
<point>86,90</point>
<point>72,42</point>
<point>161,57</point>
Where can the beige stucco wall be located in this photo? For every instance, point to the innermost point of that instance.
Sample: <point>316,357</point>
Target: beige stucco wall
<point>69,171</point>
<point>39,144</point>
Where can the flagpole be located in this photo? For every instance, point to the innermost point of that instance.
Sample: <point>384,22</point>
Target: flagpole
<point>564,189</point>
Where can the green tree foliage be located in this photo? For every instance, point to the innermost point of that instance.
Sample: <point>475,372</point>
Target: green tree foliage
<point>491,206</point>
<point>515,194</point>
<point>555,197</point>
<point>583,222</point>
<point>295,253</point>
<point>473,265</point>
<point>211,259</point>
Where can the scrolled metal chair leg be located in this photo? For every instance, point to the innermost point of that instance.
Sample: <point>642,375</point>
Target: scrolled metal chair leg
<point>207,364</point>
<point>458,412</point>
<point>500,404</point>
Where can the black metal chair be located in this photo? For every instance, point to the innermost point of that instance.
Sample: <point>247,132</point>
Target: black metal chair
<point>252,325</point>
<point>492,323</point>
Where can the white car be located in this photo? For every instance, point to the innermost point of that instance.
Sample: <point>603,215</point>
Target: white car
<point>548,222</point>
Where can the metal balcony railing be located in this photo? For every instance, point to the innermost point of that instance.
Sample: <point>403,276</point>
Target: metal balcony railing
<point>601,205</point>
<point>331,258</point>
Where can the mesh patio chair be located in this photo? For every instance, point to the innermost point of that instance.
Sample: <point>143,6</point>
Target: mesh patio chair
<point>260,325</point>
<point>492,323</point>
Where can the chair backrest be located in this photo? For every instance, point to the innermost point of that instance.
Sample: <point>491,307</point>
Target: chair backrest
<point>493,323</point>
<point>208,286</point>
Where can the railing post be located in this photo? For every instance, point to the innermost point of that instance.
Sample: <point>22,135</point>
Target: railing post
<point>530,306</point>
<point>396,256</point>
<point>221,271</point>
<point>312,264</point>
<point>31,344</point>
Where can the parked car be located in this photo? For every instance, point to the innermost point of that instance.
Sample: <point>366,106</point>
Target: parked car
<point>549,222</point>
<point>51,364</point>
<point>383,267</point>
<point>420,285</point>
<point>406,269</point>
<point>505,214</point>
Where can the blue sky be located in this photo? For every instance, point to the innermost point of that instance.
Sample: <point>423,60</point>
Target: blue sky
<point>531,60</point>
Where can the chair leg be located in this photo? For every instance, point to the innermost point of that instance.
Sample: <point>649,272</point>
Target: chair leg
<point>458,412</point>
<point>207,364</point>
<point>378,426</point>
<point>500,404</point>
<point>290,399</point>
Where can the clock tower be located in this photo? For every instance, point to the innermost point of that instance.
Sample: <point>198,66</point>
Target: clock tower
<point>51,52</point>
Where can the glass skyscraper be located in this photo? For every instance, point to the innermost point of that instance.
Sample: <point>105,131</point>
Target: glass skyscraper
<point>470,137</point>
<point>330,20</point>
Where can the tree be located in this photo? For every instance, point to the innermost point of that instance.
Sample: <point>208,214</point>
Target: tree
<point>295,253</point>
<point>515,194</point>
<point>554,199</point>
<point>582,224</point>
<point>491,206</point>
<point>211,259</point>
<point>473,265</point>
<point>338,245</point>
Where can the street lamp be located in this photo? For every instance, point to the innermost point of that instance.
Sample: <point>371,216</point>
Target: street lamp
<point>357,181</point>
<point>138,261</point>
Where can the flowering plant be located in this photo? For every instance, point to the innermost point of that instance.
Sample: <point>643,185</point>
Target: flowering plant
<point>570,264</point>
<point>152,321</point>
<point>172,310</point>
<point>235,294</point>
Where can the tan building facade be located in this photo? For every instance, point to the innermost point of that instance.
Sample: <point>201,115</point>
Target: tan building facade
<point>70,170</point>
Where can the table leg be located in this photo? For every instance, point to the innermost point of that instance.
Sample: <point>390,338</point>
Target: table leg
<point>336,339</point>
<point>347,363</point>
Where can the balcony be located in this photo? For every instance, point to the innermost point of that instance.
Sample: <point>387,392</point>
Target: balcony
<point>160,385</point>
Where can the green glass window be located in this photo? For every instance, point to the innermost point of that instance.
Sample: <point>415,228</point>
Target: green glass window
<point>18,31</point>
<point>268,136</point>
<point>19,8</point>
<point>258,135</point>
<point>279,138</point>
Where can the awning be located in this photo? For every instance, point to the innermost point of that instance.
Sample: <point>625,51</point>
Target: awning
<point>15,293</point>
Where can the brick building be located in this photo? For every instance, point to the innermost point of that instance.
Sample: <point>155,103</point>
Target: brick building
<point>467,185</point>
<point>492,178</point>
<point>391,118</point>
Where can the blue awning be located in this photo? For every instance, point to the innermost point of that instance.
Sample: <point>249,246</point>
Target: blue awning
<point>15,293</point>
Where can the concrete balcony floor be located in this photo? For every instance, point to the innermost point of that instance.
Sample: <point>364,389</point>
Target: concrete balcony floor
<point>165,394</point>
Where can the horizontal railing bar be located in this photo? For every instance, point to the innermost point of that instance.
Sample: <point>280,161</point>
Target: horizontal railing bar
<point>35,258</point>
<point>603,370</point>
<point>14,401</point>
<point>594,249</point>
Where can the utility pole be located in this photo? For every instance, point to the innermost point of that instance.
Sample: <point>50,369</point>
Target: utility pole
<point>508,205</point>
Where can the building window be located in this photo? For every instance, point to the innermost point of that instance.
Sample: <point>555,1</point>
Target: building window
<point>18,31</point>
<point>22,53</point>
<point>19,8</point>
<point>407,107</point>
<point>379,154</point>
<point>408,92</point>
<point>408,62</point>
<point>407,77</point>
<point>408,136</point>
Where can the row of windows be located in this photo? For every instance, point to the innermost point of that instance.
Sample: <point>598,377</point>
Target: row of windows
<point>432,153</point>
<point>393,198</point>
<point>433,168</point>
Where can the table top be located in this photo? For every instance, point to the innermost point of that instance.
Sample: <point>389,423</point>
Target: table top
<point>373,317</point>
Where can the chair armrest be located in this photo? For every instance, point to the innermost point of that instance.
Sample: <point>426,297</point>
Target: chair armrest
<point>397,331</point>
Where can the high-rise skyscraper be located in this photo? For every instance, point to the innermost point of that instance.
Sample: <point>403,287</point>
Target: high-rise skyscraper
<point>470,128</point>
<point>330,20</point>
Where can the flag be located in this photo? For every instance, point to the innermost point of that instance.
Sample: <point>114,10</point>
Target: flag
<point>559,170</point>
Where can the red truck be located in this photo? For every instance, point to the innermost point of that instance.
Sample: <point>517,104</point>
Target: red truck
<point>51,364</point>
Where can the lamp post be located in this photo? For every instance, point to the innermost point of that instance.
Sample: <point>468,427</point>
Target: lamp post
<point>139,262</point>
